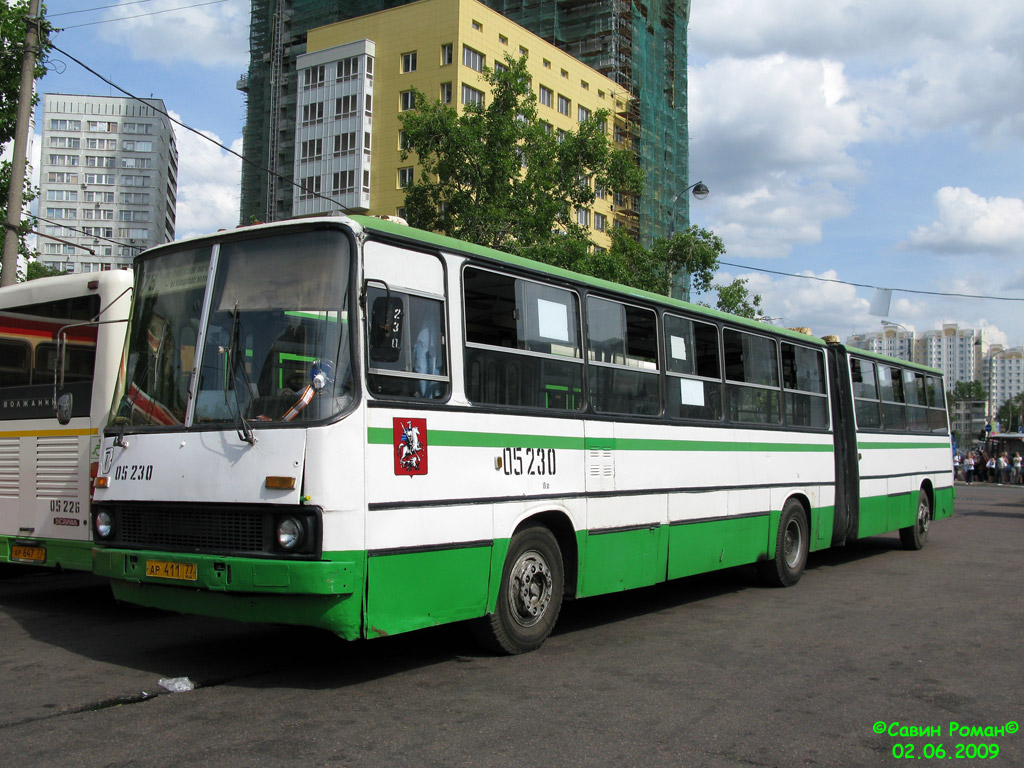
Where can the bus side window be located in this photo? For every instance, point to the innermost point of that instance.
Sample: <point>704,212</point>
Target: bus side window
<point>522,342</point>
<point>917,410</point>
<point>406,345</point>
<point>15,370</point>
<point>803,382</point>
<point>752,378</point>
<point>622,347</point>
<point>865,394</point>
<point>386,320</point>
<point>694,386</point>
<point>937,415</point>
<point>894,410</point>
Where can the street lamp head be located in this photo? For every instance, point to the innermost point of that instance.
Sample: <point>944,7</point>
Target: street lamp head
<point>700,190</point>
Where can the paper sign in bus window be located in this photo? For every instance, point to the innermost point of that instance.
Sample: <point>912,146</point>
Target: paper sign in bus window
<point>552,320</point>
<point>691,392</point>
<point>677,345</point>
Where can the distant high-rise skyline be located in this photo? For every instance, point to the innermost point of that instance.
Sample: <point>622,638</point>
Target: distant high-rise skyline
<point>108,181</point>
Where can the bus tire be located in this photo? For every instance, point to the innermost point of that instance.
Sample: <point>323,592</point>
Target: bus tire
<point>916,536</point>
<point>791,546</point>
<point>530,596</point>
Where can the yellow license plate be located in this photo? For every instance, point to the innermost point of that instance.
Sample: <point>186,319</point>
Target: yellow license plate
<point>163,570</point>
<point>28,554</point>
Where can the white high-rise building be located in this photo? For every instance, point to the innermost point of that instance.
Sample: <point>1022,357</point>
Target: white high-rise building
<point>1004,375</point>
<point>893,340</point>
<point>108,181</point>
<point>955,351</point>
<point>333,129</point>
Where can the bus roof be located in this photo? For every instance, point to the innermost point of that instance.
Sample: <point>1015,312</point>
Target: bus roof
<point>443,242</point>
<point>62,286</point>
<point>393,229</point>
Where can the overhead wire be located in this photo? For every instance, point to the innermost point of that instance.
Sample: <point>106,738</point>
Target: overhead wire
<point>318,195</point>
<point>197,132</point>
<point>876,287</point>
<point>140,15</point>
<point>98,8</point>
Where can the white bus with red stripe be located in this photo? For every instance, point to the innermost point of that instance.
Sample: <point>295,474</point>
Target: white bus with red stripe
<point>46,466</point>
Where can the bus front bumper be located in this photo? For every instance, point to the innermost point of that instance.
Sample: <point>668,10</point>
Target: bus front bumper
<point>323,593</point>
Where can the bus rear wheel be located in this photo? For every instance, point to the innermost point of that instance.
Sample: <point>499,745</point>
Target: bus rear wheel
<point>916,536</point>
<point>530,597</point>
<point>791,547</point>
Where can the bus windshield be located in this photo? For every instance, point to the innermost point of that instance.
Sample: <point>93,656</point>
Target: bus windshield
<point>273,349</point>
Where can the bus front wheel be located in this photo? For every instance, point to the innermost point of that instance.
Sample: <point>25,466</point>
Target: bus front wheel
<point>916,536</point>
<point>530,598</point>
<point>791,547</point>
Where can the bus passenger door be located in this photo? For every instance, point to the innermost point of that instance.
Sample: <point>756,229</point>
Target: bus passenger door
<point>428,558</point>
<point>847,457</point>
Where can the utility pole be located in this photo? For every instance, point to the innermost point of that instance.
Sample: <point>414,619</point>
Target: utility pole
<point>9,275</point>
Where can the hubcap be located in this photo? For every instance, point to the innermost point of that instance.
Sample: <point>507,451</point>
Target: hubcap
<point>922,517</point>
<point>792,543</point>
<point>529,588</point>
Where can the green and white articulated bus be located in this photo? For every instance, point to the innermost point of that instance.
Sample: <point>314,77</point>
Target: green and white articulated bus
<point>348,423</point>
<point>46,460</point>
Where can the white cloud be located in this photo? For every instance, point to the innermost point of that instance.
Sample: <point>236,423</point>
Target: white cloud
<point>210,36</point>
<point>209,181</point>
<point>772,134</point>
<point>824,306</point>
<point>783,105</point>
<point>969,223</point>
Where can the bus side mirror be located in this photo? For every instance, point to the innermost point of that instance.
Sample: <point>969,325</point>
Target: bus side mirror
<point>63,408</point>
<point>386,320</point>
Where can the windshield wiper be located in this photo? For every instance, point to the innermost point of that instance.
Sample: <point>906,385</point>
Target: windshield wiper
<point>243,429</point>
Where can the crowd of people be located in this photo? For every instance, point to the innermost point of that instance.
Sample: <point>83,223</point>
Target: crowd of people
<point>983,467</point>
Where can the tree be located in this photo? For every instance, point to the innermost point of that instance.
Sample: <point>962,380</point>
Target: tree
<point>13,24</point>
<point>37,269</point>
<point>495,176</point>
<point>735,299</point>
<point>967,390</point>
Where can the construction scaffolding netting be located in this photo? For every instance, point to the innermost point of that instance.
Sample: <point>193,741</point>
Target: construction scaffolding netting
<point>641,46</point>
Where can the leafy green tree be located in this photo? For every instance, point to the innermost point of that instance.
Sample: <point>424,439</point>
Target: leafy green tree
<point>37,269</point>
<point>967,390</point>
<point>735,299</point>
<point>495,176</point>
<point>13,25</point>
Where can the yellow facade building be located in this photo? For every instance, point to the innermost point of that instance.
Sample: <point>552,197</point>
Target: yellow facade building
<point>357,76</point>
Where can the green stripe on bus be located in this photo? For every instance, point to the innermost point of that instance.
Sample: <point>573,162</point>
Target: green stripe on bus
<point>459,439</point>
<point>902,446</point>
<point>454,438</point>
<point>641,444</point>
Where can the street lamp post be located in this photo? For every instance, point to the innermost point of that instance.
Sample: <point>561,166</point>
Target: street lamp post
<point>910,337</point>
<point>680,286</point>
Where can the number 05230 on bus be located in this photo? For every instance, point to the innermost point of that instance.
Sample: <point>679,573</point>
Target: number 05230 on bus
<point>351,424</point>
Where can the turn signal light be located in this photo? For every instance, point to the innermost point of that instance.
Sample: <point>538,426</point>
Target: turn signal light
<point>280,483</point>
<point>103,481</point>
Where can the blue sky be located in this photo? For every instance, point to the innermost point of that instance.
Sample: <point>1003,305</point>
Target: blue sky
<point>867,141</point>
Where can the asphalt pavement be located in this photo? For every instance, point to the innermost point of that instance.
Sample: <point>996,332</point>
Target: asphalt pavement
<point>866,662</point>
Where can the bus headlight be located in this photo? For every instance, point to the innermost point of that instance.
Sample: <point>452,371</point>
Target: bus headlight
<point>290,533</point>
<point>104,524</point>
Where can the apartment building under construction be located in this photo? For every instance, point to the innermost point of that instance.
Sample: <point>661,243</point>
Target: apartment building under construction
<point>640,46</point>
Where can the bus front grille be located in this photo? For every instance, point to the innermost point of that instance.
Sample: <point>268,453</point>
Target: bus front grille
<point>210,529</point>
<point>191,530</point>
